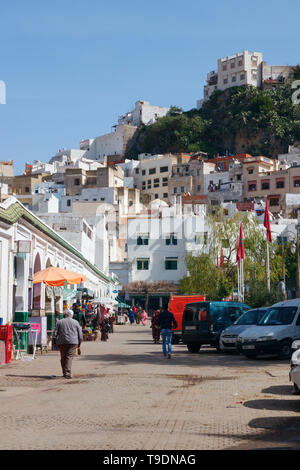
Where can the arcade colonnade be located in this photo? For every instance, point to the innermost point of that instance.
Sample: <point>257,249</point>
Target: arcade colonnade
<point>28,245</point>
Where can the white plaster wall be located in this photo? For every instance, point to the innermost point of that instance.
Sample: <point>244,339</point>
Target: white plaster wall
<point>156,251</point>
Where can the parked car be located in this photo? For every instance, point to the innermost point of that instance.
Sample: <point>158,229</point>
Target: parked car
<point>203,322</point>
<point>247,319</point>
<point>275,333</point>
<point>295,366</point>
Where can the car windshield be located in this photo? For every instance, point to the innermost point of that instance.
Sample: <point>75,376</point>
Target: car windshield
<point>251,317</point>
<point>278,316</point>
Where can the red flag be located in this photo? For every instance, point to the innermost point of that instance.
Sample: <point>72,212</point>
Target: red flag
<point>222,258</point>
<point>238,251</point>
<point>267,222</point>
<point>241,243</point>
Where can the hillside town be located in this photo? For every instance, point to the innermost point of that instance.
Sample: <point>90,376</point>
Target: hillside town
<point>134,220</point>
<point>143,231</point>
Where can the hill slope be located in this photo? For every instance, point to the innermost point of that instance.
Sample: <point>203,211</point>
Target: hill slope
<point>237,120</point>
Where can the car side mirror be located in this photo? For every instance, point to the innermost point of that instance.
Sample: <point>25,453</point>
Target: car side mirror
<point>296,344</point>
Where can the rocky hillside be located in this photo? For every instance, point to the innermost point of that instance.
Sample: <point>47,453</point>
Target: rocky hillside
<point>238,120</point>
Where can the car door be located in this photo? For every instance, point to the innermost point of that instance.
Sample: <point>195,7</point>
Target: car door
<point>221,317</point>
<point>296,334</point>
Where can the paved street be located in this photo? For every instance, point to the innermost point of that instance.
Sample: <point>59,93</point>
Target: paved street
<point>125,395</point>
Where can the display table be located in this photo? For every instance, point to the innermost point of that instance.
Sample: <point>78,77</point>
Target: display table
<point>19,329</point>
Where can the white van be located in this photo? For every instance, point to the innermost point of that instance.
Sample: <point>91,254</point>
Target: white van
<point>274,334</point>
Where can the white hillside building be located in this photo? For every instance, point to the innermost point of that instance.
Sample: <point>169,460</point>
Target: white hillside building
<point>143,113</point>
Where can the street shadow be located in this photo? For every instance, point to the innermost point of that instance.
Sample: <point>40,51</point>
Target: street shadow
<point>139,342</point>
<point>274,405</point>
<point>43,377</point>
<point>283,390</point>
<point>278,433</point>
<point>277,423</point>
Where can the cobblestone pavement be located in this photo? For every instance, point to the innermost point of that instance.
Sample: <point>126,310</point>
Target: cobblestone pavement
<point>125,395</point>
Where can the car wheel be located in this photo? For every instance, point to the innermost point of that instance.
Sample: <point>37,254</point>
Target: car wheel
<point>250,356</point>
<point>296,389</point>
<point>193,347</point>
<point>218,346</point>
<point>285,349</point>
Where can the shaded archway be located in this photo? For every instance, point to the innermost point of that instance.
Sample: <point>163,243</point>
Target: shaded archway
<point>37,288</point>
<point>19,285</point>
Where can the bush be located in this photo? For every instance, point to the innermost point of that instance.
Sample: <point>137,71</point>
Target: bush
<point>259,296</point>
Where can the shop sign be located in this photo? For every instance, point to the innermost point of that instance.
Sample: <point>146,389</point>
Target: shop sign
<point>23,246</point>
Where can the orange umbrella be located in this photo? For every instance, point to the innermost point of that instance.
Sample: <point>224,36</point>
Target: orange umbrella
<point>57,277</point>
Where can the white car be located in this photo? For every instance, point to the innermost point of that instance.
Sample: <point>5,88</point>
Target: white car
<point>295,366</point>
<point>275,332</point>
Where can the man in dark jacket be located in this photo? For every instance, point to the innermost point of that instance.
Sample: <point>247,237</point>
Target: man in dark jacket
<point>166,321</point>
<point>67,336</point>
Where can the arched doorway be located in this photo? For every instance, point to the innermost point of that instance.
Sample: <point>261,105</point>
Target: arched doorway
<point>19,294</point>
<point>37,288</point>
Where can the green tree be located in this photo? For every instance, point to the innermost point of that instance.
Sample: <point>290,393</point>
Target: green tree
<point>238,120</point>
<point>206,278</point>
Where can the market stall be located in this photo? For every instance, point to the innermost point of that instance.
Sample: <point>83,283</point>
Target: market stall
<point>58,279</point>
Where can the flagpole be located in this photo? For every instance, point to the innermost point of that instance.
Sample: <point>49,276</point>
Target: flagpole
<point>269,239</point>
<point>238,273</point>
<point>242,279</point>
<point>268,268</point>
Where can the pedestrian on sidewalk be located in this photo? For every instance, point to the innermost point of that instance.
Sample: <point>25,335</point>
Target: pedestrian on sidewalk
<point>144,318</point>
<point>67,336</point>
<point>104,326</point>
<point>166,321</point>
<point>138,314</point>
<point>131,316</point>
<point>155,327</point>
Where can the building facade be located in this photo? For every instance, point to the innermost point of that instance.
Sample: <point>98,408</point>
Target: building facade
<point>28,245</point>
<point>143,113</point>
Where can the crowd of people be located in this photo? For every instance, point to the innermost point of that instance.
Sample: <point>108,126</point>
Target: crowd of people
<point>93,318</point>
<point>137,315</point>
<point>162,323</point>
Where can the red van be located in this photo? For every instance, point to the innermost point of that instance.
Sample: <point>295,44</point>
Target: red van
<point>176,306</point>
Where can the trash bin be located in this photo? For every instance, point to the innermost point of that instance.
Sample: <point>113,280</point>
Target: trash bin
<point>50,321</point>
<point>6,332</point>
<point>21,317</point>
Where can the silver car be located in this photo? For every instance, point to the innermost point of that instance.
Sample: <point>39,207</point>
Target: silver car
<point>228,339</point>
<point>295,366</point>
<point>275,333</point>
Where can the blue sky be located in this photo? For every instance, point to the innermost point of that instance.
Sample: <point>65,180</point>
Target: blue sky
<point>71,67</point>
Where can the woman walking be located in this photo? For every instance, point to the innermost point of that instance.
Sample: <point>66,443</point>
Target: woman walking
<point>144,318</point>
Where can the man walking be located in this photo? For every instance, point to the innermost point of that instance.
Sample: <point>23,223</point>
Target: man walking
<point>67,336</point>
<point>166,321</point>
